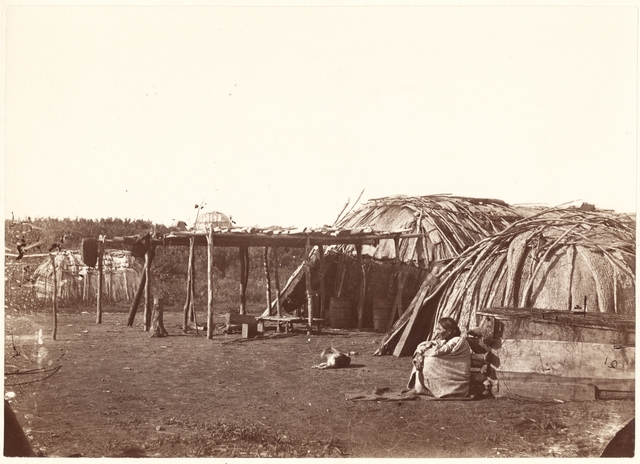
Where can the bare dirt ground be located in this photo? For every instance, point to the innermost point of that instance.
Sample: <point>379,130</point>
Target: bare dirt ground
<point>119,392</point>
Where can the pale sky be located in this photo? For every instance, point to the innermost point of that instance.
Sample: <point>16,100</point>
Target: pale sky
<point>278,115</point>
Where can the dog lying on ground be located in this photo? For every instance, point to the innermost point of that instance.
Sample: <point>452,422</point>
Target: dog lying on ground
<point>334,359</point>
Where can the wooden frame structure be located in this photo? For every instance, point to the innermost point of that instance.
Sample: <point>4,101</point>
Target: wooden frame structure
<point>243,238</point>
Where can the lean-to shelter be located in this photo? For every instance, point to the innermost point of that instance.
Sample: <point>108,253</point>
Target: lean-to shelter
<point>437,228</point>
<point>76,281</point>
<point>562,259</point>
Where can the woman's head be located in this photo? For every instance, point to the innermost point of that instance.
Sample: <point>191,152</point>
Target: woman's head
<point>448,328</point>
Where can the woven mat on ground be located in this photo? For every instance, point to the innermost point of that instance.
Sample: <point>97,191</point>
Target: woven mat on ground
<point>383,394</point>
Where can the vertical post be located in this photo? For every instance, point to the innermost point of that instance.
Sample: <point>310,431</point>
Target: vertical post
<point>363,286</point>
<point>397,307</point>
<point>192,308</point>
<point>54,298</point>
<point>126,285</point>
<point>85,287</point>
<point>210,283</point>
<point>187,304</point>
<point>148,302</point>
<point>147,291</point>
<point>244,278</point>
<point>100,279</point>
<point>307,278</point>
<point>571,257</point>
<point>615,290</point>
<point>276,277</point>
<point>137,297</point>
<point>157,324</point>
<point>323,295</point>
<point>267,276</point>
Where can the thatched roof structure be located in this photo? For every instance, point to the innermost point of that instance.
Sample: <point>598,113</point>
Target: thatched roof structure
<point>557,259</point>
<point>439,227</point>
<point>76,281</point>
<point>447,225</point>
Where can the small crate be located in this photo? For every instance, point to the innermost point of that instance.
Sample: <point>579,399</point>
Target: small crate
<point>249,330</point>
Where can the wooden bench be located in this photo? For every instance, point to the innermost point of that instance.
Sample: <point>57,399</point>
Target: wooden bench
<point>288,321</point>
<point>249,324</point>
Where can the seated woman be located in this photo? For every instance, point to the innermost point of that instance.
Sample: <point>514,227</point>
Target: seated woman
<point>442,367</point>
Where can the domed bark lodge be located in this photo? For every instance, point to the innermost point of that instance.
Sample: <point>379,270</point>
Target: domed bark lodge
<point>79,282</point>
<point>372,285</point>
<point>559,259</point>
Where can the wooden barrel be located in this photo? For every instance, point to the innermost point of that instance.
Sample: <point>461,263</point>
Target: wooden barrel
<point>381,313</point>
<point>341,313</point>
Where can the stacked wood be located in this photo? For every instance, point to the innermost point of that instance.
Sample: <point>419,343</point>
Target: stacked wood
<point>561,258</point>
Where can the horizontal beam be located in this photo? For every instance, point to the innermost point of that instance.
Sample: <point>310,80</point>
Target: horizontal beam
<point>231,239</point>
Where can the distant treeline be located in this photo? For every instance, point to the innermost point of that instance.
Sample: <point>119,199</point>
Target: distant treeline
<point>169,269</point>
<point>70,232</point>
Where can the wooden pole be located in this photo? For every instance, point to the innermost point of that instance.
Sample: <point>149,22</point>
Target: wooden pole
<point>276,277</point>
<point>323,295</point>
<point>126,285</point>
<point>158,329</point>
<point>267,276</point>
<point>397,307</point>
<point>363,286</point>
<point>100,279</point>
<point>309,290</point>
<point>192,309</point>
<point>137,297</point>
<point>148,259</point>
<point>147,292</point>
<point>341,268</point>
<point>210,284</point>
<point>244,278</point>
<point>54,298</point>
<point>571,253</point>
<point>85,287</point>
<point>187,304</point>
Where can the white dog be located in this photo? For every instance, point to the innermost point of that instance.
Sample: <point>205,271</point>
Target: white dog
<point>334,359</point>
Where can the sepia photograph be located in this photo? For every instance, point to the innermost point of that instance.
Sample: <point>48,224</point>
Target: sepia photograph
<point>319,229</point>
